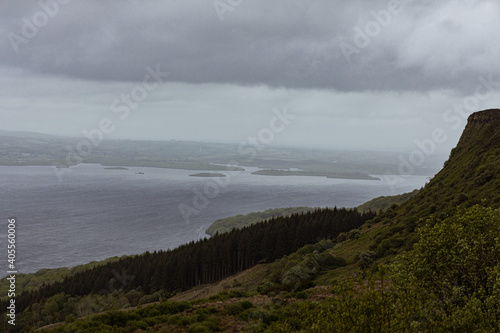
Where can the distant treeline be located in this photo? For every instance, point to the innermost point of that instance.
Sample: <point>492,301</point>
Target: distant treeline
<point>207,260</point>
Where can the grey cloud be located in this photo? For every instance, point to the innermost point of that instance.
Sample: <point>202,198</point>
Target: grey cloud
<point>281,43</point>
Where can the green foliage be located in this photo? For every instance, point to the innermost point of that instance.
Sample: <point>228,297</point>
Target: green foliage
<point>457,254</point>
<point>206,324</point>
<point>389,246</point>
<point>199,328</point>
<point>449,282</point>
<point>150,298</point>
<point>235,309</point>
<point>456,264</point>
<point>461,198</point>
<point>484,177</point>
<point>342,237</point>
<point>139,319</point>
<point>267,287</point>
<point>365,259</point>
<point>225,295</point>
<point>360,308</point>
<point>353,234</point>
<point>296,271</point>
<point>70,319</point>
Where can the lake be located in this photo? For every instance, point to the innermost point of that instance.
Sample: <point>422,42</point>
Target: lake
<point>95,213</point>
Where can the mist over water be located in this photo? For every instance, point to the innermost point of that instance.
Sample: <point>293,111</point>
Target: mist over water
<point>96,213</point>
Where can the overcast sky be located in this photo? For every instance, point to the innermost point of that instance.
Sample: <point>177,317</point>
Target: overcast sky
<point>359,74</point>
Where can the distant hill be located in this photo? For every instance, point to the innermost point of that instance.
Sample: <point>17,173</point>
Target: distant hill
<point>240,221</point>
<point>22,134</point>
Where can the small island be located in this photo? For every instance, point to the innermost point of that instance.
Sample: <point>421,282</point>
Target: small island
<point>327,174</point>
<point>207,174</point>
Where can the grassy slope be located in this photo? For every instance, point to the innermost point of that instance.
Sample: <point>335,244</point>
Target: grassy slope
<point>384,202</point>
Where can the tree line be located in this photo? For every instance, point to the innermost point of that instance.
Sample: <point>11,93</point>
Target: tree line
<point>206,260</point>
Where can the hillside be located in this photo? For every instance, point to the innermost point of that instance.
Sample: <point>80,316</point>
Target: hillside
<point>240,221</point>
<point>431,264</point>
<point>470,176</point>
<point>151,276</point>
<point>384,202</point>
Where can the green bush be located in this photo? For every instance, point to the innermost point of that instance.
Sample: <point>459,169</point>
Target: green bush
<point>134,296</point>
<point>236,294</point>
<point>266,287</point>
<point>461,198</point>
<point>366,259</point>
<point>199,328</point>
<point>354,234</point>
<point>169,307</point>
<point>309,248</point>
<point>388,246</point>
<point>150,298</point>
<point>138,324</point>
<point>328,261</point>
<point>210,324</point>
<point>237,308</point>
<point>301,295</point>
<point>483,178</point>
<point>206,311</point>
<point>69,319</point>
<point>342,237</point>
<point>456,264</point>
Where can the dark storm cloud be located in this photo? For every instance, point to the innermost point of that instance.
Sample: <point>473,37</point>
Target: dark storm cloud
<point>301,44</point>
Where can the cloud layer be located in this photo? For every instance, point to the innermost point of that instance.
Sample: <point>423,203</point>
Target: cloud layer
<point>279,43</point>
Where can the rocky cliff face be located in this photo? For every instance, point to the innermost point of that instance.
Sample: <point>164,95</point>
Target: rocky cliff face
<point>486,116</point>
<point>481,133</point>
<point>473,170</point>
